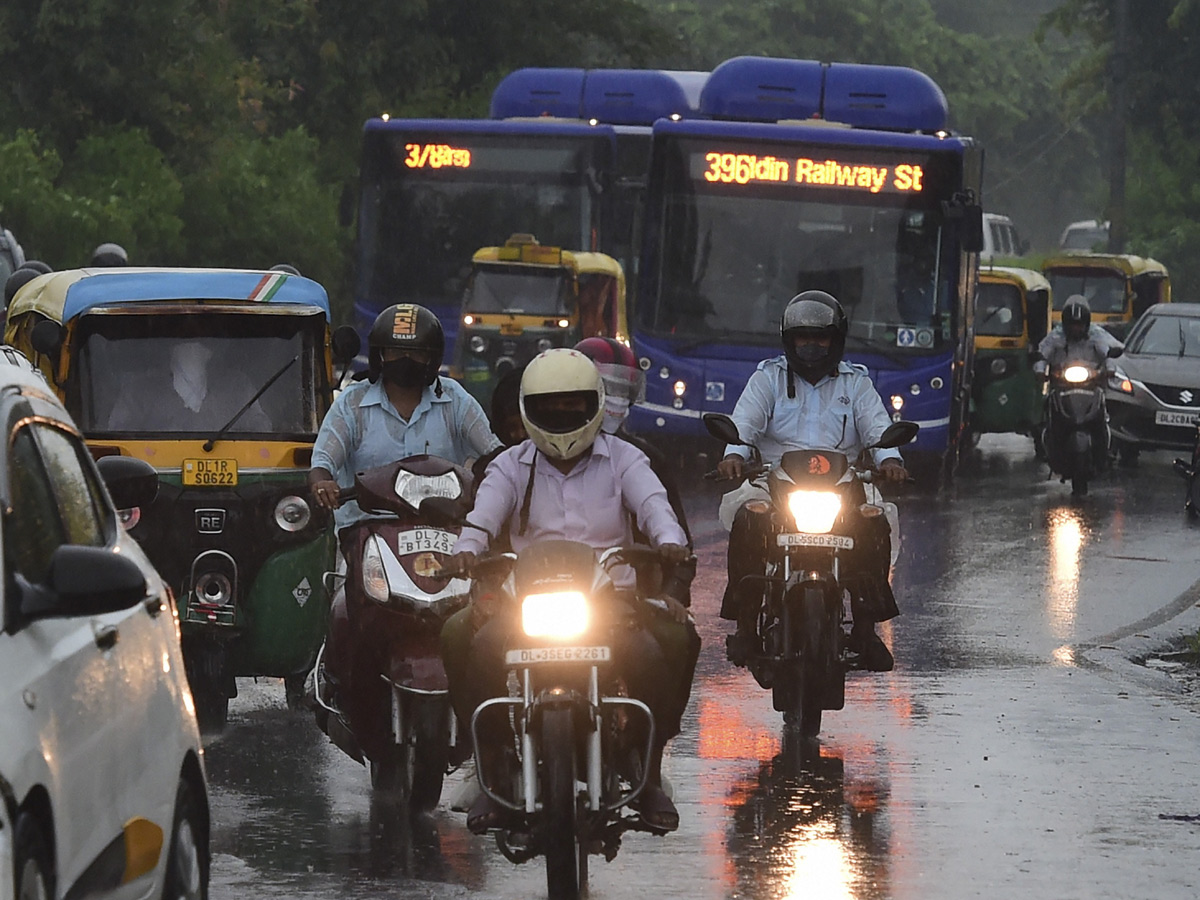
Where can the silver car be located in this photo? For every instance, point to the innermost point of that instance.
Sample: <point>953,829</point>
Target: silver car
<point>1154,393</point>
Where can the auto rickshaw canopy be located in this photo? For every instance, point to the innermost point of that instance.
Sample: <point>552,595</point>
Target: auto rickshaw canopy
<point>1145,281</point>
<point>1009,321</point>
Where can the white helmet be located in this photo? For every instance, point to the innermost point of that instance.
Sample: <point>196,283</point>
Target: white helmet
<point>562,430</point>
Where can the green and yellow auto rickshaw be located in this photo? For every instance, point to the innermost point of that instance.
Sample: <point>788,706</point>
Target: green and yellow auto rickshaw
<point>524,298</point>
<point>219,379</point>
<point>1012,313</point>
<point>1119,287</point>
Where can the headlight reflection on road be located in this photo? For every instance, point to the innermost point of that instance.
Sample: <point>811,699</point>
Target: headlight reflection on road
<point>820,869</point>
<point>1067,538</point>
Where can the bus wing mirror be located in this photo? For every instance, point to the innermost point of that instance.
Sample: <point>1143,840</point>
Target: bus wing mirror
<point>966,220</point>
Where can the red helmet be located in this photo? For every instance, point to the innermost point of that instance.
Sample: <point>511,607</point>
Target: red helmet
<point>624,380</point>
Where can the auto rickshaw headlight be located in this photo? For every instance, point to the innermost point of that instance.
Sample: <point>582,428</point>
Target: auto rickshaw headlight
<point>544,344</point>
<point>129,517</point>
<point>292,513</point>
<point>214,588</point>
<point>999,366</point>
<point>477,344</point>
<point>374,579</point>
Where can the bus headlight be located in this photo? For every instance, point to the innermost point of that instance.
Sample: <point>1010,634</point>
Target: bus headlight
<point>292,513</point>
<point>897,402</point>
<point>814,511</point>
<point>559,615</point>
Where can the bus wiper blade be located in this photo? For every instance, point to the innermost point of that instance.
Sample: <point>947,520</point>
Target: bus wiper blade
<point>211,442</point>
<point>873,347</point>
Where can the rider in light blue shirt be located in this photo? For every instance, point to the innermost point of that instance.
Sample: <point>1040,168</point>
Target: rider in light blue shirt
<point>403,410</point>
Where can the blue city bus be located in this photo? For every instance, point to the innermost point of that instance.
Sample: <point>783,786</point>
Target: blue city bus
<point>563,157</point>
<point>798,175</point>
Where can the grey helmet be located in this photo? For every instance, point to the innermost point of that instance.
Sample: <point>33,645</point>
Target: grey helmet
<point>110,255</point>
<point>813,313</point>
<point>1076,317</point>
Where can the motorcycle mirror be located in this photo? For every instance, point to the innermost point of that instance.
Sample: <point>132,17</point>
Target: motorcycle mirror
<point>722,428</point>
<point>442,510</point>
<point>346,344</point>
<point>897,435</point>
<point>1114,352</point>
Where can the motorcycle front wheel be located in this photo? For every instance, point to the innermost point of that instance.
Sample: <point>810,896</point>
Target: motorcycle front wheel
<point>558,805</point>
<point>806,683</point>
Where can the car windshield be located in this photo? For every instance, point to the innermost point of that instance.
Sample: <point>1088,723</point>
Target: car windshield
<point>518,289</point>
<point>1168,336</point>
<point>998,310</point>
<point>191,374</point>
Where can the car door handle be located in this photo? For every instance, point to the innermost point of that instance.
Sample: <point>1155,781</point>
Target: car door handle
<point>106,636</point>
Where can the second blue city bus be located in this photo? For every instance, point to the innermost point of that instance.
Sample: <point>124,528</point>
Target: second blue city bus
<point>798,175</point>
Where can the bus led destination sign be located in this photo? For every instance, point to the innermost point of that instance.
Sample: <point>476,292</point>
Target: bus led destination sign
<point>436,156</point>
<point>747,168</point>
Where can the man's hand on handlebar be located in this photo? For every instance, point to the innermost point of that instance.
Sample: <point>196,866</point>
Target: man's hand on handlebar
<point>893,470</point>
<point>458,564</point>
<point>674,553</point>
<point>325,492</point>
<point>731,467</point>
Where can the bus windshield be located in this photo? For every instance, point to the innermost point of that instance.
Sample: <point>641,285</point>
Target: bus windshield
<point>192,373</point>
<point>420,223</point>
<point>519,290</point>
<point>1103,288</point>
<point>998,310</point>
<point>733,255</point>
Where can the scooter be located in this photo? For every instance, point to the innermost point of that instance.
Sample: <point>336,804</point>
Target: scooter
<point>801,647</point>
<point>1075,416</point>
<point>581,743</point>
<point>1188,469</point>
<point>380,690</point>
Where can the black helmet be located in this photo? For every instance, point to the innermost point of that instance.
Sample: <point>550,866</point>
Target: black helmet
<point>110,255</point>
<point>1076,316</point>
<point>813,313</point>
<point>18,280</point>
<point>37,265</point>
<point>408,327</point>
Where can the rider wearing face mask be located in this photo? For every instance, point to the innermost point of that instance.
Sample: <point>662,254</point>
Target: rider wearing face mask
<point>402,409</point>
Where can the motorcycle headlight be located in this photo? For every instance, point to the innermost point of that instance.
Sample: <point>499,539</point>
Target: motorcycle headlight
<point>292,513</point>
<point>374,579</point>
<point>413,488</point>
<point>1077,374</point>
<point>558,616</point>
<point>814,511</point>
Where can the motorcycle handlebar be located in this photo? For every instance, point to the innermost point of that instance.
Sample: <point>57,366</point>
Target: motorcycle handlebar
<point>747,473</point>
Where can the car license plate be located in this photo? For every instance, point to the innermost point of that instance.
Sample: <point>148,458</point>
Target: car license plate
<point>841,542</point>
<point>533,655</point>
<point>425,540</point>
<point>210,472</point>
<point>1166,417</point>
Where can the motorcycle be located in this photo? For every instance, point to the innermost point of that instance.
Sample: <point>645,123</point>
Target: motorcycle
<point>1075,413</point>
<point>1188,470</point>
<point>380,691</point>
<point>581,743</point>
<point>801,641</point>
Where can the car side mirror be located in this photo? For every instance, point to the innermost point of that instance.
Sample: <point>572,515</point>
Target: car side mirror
<point>131,482</point>
<point>722,428</point>
<point>87,581</point>
<point>1114,352</point>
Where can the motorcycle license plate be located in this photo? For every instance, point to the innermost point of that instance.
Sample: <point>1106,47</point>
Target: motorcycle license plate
<point>425,540</point>
<point>1166,417</point>
<point>209,472</point>
<point>532,655</point>
<point>841,542</point>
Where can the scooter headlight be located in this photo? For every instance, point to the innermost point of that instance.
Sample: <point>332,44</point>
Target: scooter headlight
<point>1076,374</point>
<point>413,488</point>
<point>559,616</point>
<point>374,579</point>
<point>814,511</point>
<point>292,513</point>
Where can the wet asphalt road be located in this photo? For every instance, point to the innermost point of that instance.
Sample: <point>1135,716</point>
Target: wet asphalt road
<point>1005,756</point>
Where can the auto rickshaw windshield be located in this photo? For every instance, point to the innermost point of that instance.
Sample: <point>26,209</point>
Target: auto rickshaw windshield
<point>520,290</point>
<point>192,373</point>
<point>998,311</point>
<point>1103,288</point>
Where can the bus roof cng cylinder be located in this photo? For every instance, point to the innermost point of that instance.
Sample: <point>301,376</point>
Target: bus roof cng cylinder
<point>608,96</point>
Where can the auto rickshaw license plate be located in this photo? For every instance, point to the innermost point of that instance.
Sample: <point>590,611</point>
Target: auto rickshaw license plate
<point>839,541</point>
<point>425,540</point>
<point>533,655</point>
<point>210,472</point>
<point>510,329</point>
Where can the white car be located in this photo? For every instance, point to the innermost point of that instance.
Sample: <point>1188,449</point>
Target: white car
<point>102,784</point>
